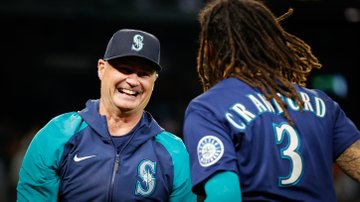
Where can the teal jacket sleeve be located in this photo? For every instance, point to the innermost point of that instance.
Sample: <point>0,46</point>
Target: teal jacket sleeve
<point>223,186</point>
<point>180,157</point>
<point>38,179</point>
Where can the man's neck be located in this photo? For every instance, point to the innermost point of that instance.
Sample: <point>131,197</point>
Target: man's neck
<point>119,126</point>
<point>120,123</point>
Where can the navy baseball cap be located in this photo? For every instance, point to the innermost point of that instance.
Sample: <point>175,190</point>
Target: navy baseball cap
<point>134,43</point>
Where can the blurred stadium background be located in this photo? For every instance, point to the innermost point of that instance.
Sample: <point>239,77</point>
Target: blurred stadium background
<point>50,48</point>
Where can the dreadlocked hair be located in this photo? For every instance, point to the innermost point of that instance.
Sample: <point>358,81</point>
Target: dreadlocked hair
<point>243,39</point>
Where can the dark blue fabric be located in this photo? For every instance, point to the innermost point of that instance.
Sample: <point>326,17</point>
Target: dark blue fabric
<point>95,179</point>
<point>250,136</point>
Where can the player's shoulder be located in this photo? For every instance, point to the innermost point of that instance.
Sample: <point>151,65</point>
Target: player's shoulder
<point>172,143</point>
<point>168,138</point>
<point>62,126</point>
<point>318,94</point>
<point>70,120</point>
<point>49,141</point>
<point>221,96</point>
<point>66,117</point>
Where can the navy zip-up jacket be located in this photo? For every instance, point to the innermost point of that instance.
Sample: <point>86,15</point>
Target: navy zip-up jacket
<point>73,158</point>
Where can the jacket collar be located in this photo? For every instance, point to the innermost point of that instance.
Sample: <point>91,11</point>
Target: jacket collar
<point>144,130</point>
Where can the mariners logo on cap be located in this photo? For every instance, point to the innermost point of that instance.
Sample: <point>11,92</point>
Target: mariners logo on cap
<point>137,42</point>
<point>210,149</point>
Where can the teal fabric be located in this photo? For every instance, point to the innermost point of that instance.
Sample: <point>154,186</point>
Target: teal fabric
<point>223,186</point>
<point>38,180</point>
<point>180,159</point>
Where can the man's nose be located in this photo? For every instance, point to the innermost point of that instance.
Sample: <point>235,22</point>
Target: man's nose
<point>132,79</point>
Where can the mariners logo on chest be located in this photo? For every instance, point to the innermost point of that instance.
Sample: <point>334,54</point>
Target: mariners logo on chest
<point>210,149</point>
<point>146,172</point>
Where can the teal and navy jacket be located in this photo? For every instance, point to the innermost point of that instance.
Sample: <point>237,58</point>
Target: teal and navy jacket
<point>73,158</point>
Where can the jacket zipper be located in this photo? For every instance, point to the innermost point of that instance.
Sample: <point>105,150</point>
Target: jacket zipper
<point>117,165</point>
<point>115,169</point>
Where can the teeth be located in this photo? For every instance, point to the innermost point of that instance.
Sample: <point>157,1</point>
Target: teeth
<point>128,91</point>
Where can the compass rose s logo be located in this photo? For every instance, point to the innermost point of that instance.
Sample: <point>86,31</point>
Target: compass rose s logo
<point>137,44</point>
<point>210,149</point>
<point>147,183</point>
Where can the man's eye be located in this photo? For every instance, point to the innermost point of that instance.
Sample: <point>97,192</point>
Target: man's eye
<point>143,74</point>
<point>125,70</point>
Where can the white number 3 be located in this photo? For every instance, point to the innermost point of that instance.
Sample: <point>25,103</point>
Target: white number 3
<point>289,152</point>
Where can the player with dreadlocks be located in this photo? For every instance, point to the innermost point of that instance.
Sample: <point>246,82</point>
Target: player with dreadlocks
<point>257,133</point>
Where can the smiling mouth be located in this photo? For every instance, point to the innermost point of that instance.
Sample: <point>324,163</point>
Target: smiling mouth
<point>128,92</point>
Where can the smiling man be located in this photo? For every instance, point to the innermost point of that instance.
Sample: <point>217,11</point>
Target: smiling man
<point>113,150</point>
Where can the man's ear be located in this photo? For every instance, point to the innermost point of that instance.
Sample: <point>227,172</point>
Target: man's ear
<point>101,68</point>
